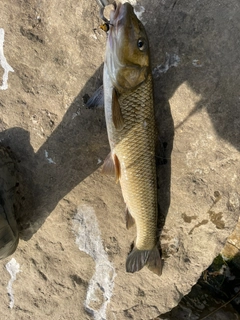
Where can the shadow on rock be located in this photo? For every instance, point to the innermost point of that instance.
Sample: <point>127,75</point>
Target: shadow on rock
<point>67,157</point>
<point>215,296</point>
<point>197,45</point>
<point>165,132</point>
<point>205,38</point>
<point>70,155</point>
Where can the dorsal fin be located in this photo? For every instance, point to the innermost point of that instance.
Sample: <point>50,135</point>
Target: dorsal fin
<point>116,111</point>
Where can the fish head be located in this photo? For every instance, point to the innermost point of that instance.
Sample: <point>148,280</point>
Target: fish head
<point>127,53</point>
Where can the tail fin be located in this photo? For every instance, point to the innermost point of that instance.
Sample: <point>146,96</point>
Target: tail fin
<point>137,259</point>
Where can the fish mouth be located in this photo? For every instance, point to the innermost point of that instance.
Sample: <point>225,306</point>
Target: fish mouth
<point>115,13</point>
<point>120,19</point>
<point>120,14</point>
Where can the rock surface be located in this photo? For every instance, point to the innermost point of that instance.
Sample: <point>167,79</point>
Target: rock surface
<point>216,295</point>
<point>231,250</point>
<point>56,51</point>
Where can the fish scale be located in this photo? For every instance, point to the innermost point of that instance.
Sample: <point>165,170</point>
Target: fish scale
<point>135,149</point>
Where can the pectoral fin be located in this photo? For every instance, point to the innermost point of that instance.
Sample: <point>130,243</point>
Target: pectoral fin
<point>112,166</point>
<point>116,111</point>
<point>137,259</point>
<point>96,100</point>
<point>117,167</point>
<point>108,165</point>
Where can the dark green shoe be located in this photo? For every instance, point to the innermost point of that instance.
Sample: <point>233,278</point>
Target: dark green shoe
<point>9,236</point>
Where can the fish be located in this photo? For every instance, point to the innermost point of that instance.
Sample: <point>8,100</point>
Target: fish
<point>130,121</point>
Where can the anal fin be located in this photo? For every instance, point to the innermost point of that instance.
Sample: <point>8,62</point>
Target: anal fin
<point>129,219</point>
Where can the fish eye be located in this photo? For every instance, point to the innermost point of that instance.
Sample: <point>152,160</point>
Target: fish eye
<point>141,44</point>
